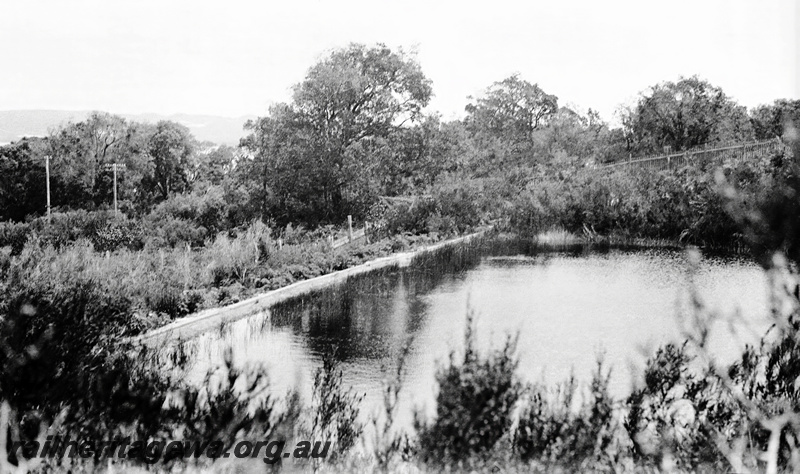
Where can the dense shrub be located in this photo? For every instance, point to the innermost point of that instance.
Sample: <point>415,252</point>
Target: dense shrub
<point>474,403</point>
<point>152,282</point>
<point>206,209</point>
<point>14,235</point>
<point>105,230</point>
<point>684,205</point>
<point>118,234</point>
<point>411,217</point>
<point>552,432</point>
<point>234,259</point>
<point>51,325</point>
<point>451,209</point>
<point>458,207</point>
<point>672,414</point>
<point>765,205</point>
<point>62,228</point>
<point>171,232</point>
<point>119,396</point>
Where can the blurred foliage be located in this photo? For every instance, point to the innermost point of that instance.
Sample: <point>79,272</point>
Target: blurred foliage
<point>474,403</point>
<point>551,432</point>
<point>335,408</point>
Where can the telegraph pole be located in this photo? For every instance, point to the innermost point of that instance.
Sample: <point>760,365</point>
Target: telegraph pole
<point>115,190</point>
<point>114,167</point>
<point>47,176</point>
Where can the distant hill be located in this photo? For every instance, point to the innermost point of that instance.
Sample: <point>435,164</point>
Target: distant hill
<point>15,124</point>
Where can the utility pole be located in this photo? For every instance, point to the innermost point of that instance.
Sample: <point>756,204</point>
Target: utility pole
<point>115,190</point>
<point>47,177</point>
<point>114,167</point>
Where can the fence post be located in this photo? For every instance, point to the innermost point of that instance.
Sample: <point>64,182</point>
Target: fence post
<point>349,228</point>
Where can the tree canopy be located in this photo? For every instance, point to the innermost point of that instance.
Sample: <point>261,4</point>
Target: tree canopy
<point>360,92</point>
<point>685,114</point>
<point>170,146</point>
<point>512,109</point>
<point>22,180</point>
<point>771,121</point>
<point>313,157</point>
<point>80,151</point>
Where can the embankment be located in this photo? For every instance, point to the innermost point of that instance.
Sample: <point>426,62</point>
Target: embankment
<point>190,326</point>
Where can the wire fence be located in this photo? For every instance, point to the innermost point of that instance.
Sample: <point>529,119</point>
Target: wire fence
<point>732,154</point>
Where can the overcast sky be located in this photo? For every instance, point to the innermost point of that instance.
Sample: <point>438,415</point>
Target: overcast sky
<point>234,58</point>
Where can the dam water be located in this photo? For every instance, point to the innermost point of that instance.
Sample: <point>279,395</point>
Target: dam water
<point>567,307</point>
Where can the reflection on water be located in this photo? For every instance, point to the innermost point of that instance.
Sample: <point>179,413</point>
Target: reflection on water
<point>568,307</point>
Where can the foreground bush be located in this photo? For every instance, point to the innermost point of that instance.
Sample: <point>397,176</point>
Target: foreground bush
<point>335,408</point>
<point>551,432</point>
<point>474,403</point>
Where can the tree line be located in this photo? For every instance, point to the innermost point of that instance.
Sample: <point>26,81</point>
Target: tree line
<point>356,129</point>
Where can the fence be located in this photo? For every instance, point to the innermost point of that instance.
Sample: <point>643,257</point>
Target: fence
<point>358,236</point>
<point>363,235</point>
<point>371,231</point>
<point>733,154</point>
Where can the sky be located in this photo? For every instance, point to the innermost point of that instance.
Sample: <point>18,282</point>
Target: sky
<point>235,58</point>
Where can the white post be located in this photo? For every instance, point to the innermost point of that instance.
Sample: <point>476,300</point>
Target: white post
<point>349,228</point>
<point>47,177</point>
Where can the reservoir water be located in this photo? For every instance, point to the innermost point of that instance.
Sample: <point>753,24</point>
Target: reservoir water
<point>567,307</point>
